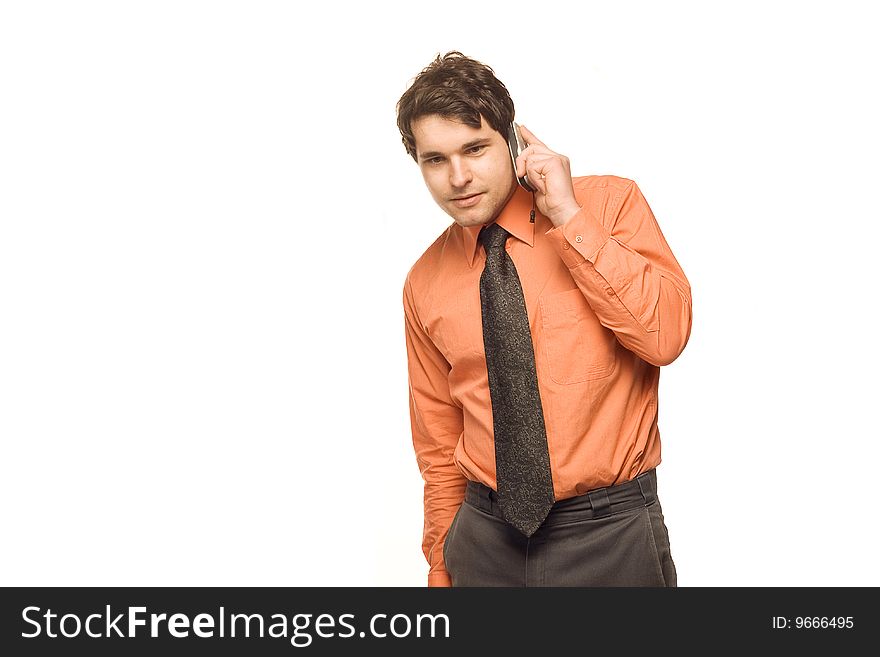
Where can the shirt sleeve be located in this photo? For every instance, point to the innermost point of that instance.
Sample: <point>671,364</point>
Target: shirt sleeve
<point>622,264</point>
<point>436,429</point>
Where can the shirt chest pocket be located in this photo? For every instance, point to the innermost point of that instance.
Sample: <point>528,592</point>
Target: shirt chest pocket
<point>577,347</point>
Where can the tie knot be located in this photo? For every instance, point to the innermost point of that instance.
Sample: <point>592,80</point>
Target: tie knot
<point>493,237</point>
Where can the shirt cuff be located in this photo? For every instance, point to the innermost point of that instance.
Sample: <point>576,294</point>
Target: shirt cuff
<point>579,239</point>
<point>440,579</point>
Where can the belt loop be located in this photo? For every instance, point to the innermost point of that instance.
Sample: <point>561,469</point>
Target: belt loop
<point>644,481</point>
<point>600,503</point>
<point>485,498</point>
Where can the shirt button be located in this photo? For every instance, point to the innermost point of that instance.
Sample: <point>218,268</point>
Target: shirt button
<point>578,239</point>
<point>609,292</point>
<point>566,246</point>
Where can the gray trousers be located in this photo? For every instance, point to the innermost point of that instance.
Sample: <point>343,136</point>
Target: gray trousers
<point>613,536</point>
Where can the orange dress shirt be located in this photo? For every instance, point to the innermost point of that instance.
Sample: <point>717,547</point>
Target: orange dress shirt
<point>608,304</point>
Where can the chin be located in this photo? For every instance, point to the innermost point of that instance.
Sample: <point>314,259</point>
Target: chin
<point>470,218</point>
<point>471,221</point>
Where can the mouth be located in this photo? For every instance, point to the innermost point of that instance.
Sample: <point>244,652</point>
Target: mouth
<point>467,201</point>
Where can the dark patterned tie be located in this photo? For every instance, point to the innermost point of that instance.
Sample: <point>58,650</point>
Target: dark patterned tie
<point>522,462</point>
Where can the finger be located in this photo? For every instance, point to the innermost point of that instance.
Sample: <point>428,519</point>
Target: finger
<point>537,179</point>
<point>539,183</point>
<point>529,137</point>
<point>535,175</point>
<point>531,156</point>
<point>522,162</point>
<point>547,172</point>
<point>539,165</point>
<point>524,167</point>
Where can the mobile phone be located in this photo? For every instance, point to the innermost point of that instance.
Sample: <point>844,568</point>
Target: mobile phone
<point>516,145</point>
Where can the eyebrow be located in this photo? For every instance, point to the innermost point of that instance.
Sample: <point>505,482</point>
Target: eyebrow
<point>476,142</point>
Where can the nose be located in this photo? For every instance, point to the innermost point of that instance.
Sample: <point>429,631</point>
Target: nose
<point>459,173</point>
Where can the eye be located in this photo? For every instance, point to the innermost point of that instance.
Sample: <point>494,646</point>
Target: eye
<point>476,150</point>
<point>434,160</point>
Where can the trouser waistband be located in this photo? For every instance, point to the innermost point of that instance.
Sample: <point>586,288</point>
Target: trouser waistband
<point>597,503</point>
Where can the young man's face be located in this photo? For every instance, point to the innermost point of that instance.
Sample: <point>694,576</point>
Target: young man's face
<point>467,170</point>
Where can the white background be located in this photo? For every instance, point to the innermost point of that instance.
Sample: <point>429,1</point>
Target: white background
<point>207,218</point>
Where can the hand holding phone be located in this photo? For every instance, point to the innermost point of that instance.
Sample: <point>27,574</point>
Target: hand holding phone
<point>551,176</point>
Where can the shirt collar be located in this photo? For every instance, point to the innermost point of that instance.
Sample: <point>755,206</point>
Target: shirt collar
<point>514,218</point>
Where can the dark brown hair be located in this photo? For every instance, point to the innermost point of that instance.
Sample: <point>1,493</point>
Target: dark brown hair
<point>455,87</point>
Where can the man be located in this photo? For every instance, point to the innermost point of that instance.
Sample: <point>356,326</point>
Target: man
<point>536,325</point>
